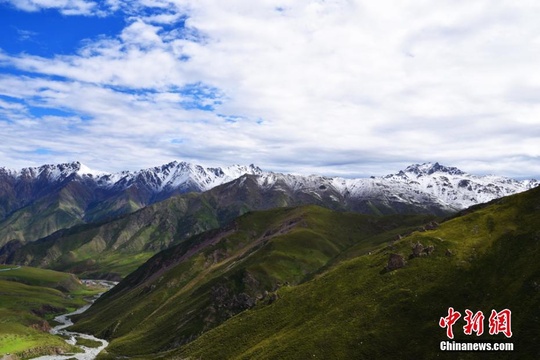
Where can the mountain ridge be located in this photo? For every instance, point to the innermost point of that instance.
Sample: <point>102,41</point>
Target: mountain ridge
<point>35,202</point>
<point>169,174</point>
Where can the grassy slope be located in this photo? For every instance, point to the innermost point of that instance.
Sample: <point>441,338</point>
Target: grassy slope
<point>61,208</point>
<point>29,298</point>
<point>355,310</point>
<point>175,297</point>
<point>117,246</point>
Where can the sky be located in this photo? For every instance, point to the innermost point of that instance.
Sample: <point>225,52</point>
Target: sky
<point>348,88</point>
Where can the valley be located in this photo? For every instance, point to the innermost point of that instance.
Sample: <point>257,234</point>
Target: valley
<point>30,298</point>
<point>269,180</point>
<point>88,345</point>
<point>218,274</point>
<point>237,263</point>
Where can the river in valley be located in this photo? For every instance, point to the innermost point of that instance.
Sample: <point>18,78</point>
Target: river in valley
<point>72,337</point>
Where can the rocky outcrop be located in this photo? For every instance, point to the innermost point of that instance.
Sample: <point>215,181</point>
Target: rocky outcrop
<point>396,261</point>
<point>432,225</point>
<point>429,250</point>
<point>43,326</point>
<point>225,303</point>
<point>417,250</point>
<point>420,250</point>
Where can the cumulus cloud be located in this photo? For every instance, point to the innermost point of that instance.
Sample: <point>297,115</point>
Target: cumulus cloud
<point>334,87</point>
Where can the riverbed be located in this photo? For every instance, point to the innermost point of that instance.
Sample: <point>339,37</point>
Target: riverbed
<point>65,322</point>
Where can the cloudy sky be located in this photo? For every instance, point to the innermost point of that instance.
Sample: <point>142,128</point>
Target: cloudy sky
<point>335,87</point>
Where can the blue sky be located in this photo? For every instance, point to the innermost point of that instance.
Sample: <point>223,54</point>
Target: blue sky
<point>48,32</point>
<point>335,87</point>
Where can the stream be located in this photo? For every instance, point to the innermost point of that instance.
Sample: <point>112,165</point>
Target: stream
<point>65,321</point>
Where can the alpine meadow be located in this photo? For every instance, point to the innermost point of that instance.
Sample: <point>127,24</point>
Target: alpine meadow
<point>292,180</point>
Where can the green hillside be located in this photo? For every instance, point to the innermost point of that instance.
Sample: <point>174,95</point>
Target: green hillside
<point>115,248</point>
<point>330,294</point>
<point>37,212</point>
<point>53,212</point>
<point>29,300</point>
<point>486,258</point>
<point>197,285</point>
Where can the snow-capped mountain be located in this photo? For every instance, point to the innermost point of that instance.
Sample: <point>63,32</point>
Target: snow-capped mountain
<point>166,177</point>
<point>175,176</point>
<point>456,188</point>
<point>68,194</point>
<point>449,186</point>
<point>446,187</point>
<point>64,195</point>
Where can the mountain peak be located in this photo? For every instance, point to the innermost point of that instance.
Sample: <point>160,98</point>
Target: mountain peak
<point>85,170</point>
<point>53,172</point>
<point>255,169</point>
<point>430,168</point>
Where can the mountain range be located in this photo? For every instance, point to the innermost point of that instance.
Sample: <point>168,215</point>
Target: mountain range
<point>239,263</point>
<point>35,202</point>
<point>64,195</point>
<point>106,225</point>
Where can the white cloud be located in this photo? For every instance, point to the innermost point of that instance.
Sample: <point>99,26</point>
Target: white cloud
<point>336,86</point>
<point>66,7</point>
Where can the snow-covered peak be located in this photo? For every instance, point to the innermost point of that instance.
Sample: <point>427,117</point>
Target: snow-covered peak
<point>430,168</point>
<point>235,171</point>
<point>449,187</point>
<point>85,170</point>
<point>8,172</point>
<point>48,172</point>
<point>165,177</point>
<point>177,175</point>
<point>453,186</point>
<point>292,182</point>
